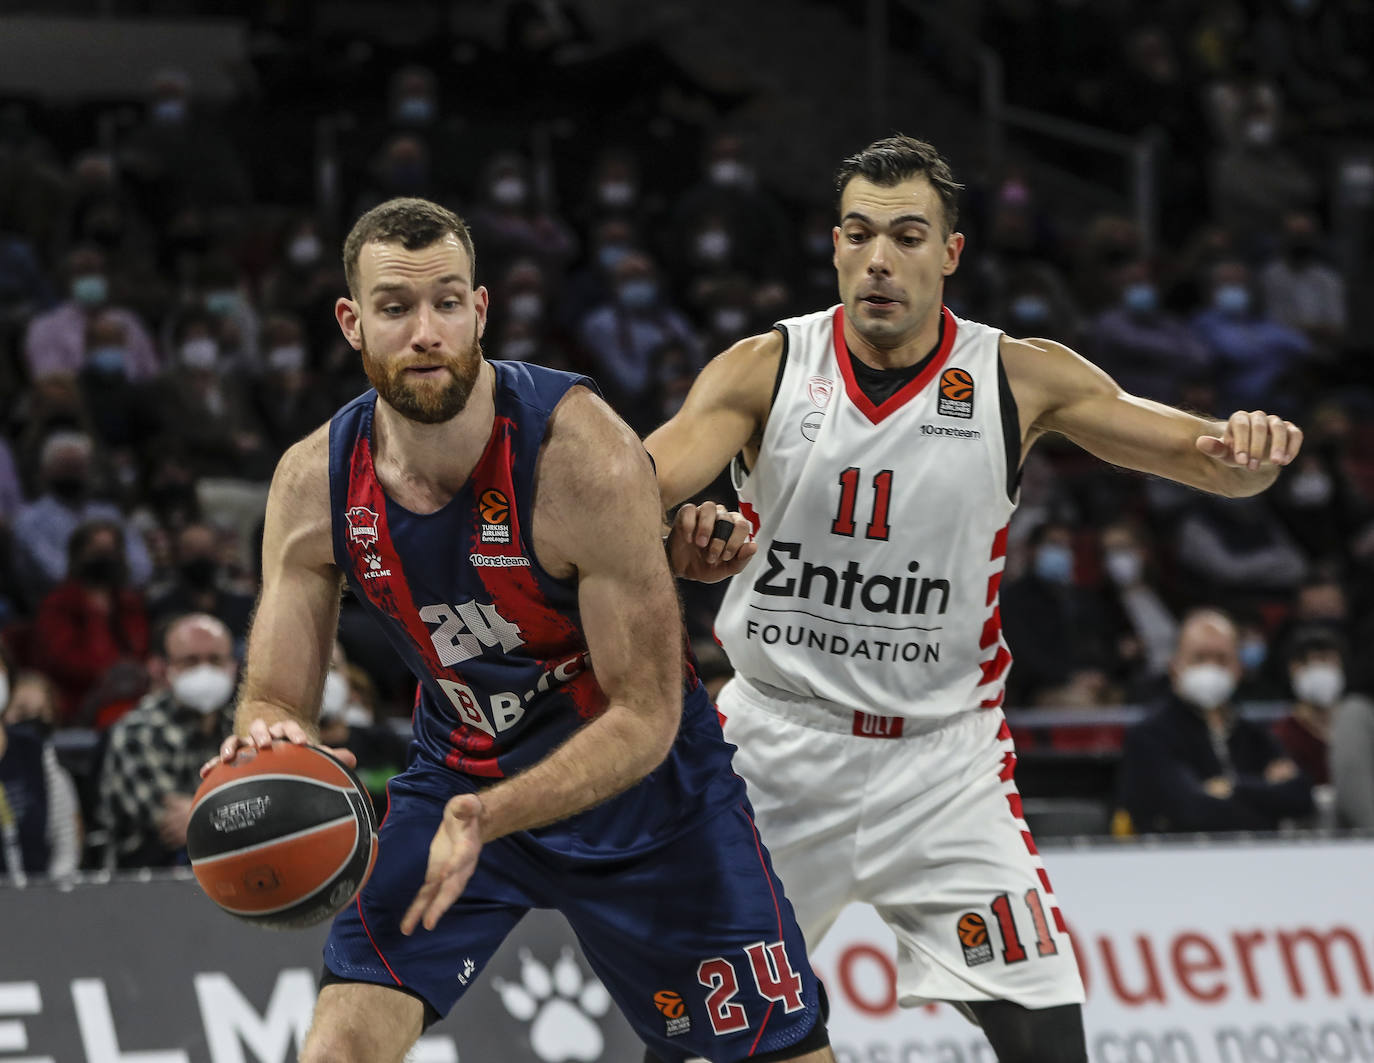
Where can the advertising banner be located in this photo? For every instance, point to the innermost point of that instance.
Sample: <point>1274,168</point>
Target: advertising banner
<point>1236,953</point>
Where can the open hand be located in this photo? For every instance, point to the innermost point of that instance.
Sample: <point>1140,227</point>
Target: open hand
<point>1252,439</point>
<point>452,859</point>
<point>262,734</point>
<point>708,542</point>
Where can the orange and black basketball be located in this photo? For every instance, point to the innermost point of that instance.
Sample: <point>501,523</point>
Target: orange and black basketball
<point>956,384</point>
<point>669,1003</point>
<point>283,839</point>
<point>495,506</point>
<point>973,930</point>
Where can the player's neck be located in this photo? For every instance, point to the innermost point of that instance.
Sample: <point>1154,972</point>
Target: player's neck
<point>905,352</point>
<point>422,465</point>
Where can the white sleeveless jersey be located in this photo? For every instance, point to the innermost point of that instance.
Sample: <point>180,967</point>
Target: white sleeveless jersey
<point>881,529</point>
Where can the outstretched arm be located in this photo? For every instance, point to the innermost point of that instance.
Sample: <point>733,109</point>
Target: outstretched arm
<point>1058,391</point>
<point>722,415</point>
<point>597,516</point>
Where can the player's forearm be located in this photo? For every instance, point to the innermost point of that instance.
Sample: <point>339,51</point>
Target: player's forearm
<point>602,759</point>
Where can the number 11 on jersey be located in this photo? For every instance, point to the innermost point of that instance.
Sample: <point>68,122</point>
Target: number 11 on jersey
<point>849,492</point>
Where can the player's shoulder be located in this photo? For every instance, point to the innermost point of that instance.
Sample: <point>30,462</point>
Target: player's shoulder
<point>305,464</point>
<point>587,446</point>
<point>743,375</point>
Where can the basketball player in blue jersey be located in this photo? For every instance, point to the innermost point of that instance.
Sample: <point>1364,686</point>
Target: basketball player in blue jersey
<point>879,445</point>
<point>503,525</point>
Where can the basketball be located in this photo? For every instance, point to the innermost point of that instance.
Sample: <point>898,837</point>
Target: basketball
<point>284,839</point>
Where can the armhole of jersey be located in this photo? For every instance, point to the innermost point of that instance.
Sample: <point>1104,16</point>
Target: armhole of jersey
<point>739,471</point>
<point>1011,429</point>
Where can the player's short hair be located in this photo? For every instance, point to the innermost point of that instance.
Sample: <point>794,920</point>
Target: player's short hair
<point>409,221</point>
<point>895,159</point>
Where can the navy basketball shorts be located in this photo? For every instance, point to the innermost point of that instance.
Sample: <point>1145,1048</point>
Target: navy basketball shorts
<point>694,940</point>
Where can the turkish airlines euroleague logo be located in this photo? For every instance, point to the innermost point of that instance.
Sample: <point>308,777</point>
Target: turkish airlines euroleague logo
<point>494,508</point>
<point>956,393</point>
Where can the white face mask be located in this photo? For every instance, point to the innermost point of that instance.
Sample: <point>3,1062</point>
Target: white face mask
<point>525,306</point>
<point>4,692</point>
<point>1319,684</point>
<point>1123,566</point>
<point>204,688</point>
<point>1205,685</point>
<point>199,354</point>
<point>335,698</point>
<point>357,716</point>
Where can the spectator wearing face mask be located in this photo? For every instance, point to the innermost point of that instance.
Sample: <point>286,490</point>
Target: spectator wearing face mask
<point>39,821</point>
<point>1301,291</point>
<point>286,399</point>
<point>620,339</point>
<point>1255,179</point>
<point>151,768</point>
<point>1055,629</point>
<point>1352,762</point>
<point>1145,624</point>
<point>208,415</point>
<point>200,586</point>
<point>91,632</point>
<point>1147,349</point>
<point>43,527</point>
<point>56,342</point>
<point>593,283</point>
<point>1316,672</point>
<point>1195,764</point>
<point>1253,353</point>
<point>510,221</point>
<point>347,721</point>
<point>228,306</point>
<point>725,215</point>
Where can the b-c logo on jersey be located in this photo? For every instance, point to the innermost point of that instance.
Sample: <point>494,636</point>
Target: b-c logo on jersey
<point>956,393</point>
<point>362,524</point>
<point>494,508</point>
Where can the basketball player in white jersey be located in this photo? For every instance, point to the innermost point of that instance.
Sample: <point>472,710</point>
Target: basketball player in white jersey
<point>879,444</point>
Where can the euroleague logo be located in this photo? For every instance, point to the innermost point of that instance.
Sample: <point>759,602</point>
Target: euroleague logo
<point>973,936</point>
<point>676,1020</point>
<point>956,393</point>
<point>494,508</point>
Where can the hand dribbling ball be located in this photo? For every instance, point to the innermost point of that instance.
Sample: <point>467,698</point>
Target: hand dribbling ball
<point>284,838</point>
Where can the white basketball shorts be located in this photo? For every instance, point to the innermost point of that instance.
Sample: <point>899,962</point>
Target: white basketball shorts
<point>920,819</point>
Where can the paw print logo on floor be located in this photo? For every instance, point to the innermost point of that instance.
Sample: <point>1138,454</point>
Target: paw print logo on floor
<point>561,1006</point>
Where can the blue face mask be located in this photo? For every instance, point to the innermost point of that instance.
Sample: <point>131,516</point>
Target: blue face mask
<point>1054,563</point>
<point>415,110</point>
<point>1252,654</point>
<point>1030,309</point>
<point>90,290</point>
<point>1140,298</point>
<point>1232,299</point>
<point>107,359</point>
<point>608,256</point>
<point>170,111</point>
<point>222,302</point>
<point>638,294</point>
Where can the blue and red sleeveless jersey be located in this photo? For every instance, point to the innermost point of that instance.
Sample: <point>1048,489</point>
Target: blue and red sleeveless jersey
<point>495,641</point>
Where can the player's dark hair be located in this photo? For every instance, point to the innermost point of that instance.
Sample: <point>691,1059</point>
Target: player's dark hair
<point>895,159</point>
<point>413,223</point>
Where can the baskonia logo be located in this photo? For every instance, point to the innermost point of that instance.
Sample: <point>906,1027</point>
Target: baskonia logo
<point>362,524</point>
<point>494,508</point>
<point>956,393</point>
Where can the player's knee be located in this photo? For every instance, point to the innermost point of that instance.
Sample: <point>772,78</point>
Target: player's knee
<point>1033,1035</point>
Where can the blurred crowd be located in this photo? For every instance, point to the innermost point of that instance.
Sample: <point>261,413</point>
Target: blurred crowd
<point>168,269</point>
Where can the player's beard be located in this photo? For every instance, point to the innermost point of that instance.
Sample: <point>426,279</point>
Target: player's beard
<point>426,401</point>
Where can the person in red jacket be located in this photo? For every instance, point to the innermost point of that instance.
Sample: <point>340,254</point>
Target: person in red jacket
<point>91,633</point>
